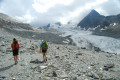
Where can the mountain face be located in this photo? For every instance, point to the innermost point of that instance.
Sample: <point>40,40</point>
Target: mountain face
<point>8,22</point>
<point>94,19</point>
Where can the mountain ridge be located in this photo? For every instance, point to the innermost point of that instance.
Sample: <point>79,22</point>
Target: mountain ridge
<point>8,22</point>
<point>94,19</point>
<point>91,20</point>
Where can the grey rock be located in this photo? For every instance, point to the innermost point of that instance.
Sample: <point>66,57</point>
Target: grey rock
<point>90,75</point>
<point>93,75</point>
<point>57,56</point>
<point>97,49</point>
<point>8,50</point>
<point>32,47</point>
<point>108,66</point>
<point>51,73</point>
<point>2,77</point>
<point>83,48</point>
<point>92,64</point>
<point>74,78</point>
<point>76,56</point>
<point>100,75</point>
<point>3,51</point>
<point>54,74</point>
<point>58,47</point>
<point>67,65</point>
<point>3,44</point>
<point>38,69</point>
<point>3,54</point>
<point>66,55</point>
<point>22,51</point>
<point>36,61</point>
<point>22,64</point>
<point>79,54</point>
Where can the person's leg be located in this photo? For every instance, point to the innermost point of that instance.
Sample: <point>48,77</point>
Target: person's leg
<point>14,58</point>
<point>14,55</point>
<point>43,56</point>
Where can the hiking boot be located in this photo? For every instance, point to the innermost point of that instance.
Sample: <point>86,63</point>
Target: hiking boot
<point>43,60</point>
<point>15,63</point>
<point>46,59</point>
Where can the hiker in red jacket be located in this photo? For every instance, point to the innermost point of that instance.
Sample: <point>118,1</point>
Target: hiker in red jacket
<point>15,49</point>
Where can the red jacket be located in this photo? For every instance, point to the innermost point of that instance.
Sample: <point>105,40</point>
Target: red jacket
<point>13,47</point>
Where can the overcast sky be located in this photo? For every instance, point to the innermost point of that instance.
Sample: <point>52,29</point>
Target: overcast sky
<point>42,12</point>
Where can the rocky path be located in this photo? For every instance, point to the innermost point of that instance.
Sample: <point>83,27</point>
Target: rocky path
<point>65,62</point>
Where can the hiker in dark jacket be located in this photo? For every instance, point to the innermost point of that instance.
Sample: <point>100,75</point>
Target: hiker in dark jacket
<point>15,49</point>
<point>44,47</point>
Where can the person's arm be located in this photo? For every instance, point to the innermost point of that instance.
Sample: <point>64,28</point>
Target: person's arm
<point>11,44</point>
<point>40,49</point>
<point>47,47</point>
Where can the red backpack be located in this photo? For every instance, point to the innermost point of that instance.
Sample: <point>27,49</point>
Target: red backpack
<point>15,45</point>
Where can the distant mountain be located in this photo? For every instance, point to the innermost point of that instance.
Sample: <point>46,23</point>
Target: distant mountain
<point>51,25</point>
<point>44,26</point>
<point>95,20</point>
<point>8,22</point>
<point>58,23</point>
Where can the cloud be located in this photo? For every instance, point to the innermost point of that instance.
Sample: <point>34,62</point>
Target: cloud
<point>42,12</point>
<point>0,2</point>
<point>110,8</point>
<point>43,5</point>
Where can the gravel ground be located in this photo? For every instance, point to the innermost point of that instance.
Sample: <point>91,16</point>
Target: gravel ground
<point>41,34</point>
<point>65,62</point>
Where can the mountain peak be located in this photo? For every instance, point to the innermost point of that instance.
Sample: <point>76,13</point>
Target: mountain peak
<point>93,12</point>
<point>93,19</point>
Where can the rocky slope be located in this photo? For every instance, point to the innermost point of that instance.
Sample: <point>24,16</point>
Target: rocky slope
<point>65,62</point>
<point>8,22</point>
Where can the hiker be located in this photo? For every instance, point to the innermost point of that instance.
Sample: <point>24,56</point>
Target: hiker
<point>15,49</point>
<point>44,47</point>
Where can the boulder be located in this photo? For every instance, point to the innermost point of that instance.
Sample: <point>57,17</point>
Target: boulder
<point>2,77</point>
<point>36,61</point>
<point>108,66</point>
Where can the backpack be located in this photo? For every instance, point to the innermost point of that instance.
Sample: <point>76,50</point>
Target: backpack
<point>15,44</point>
<point>45,46</point>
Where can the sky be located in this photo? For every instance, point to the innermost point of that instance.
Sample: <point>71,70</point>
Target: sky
<point>42,12</point>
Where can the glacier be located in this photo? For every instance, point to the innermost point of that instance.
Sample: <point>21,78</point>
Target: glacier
<point>85,39</point>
